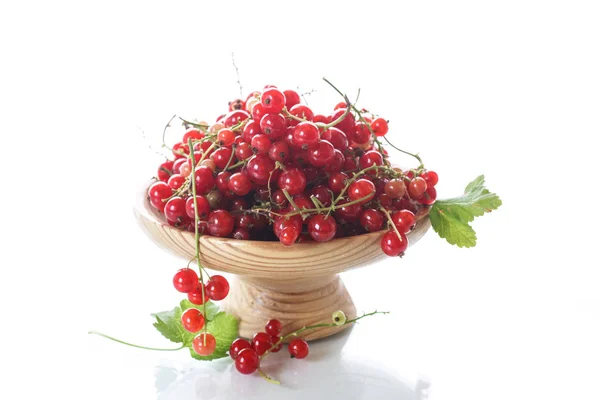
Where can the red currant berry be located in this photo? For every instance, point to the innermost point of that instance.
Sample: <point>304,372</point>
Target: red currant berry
<point>395,188</point>
<point>323,194</point>
<point>337,182</point>
<point>346,125</point>
<point>192,320</point>
<point>392,245</point>
<point>306,135</point>
<point>185,280</point>
<point>240,184</point>
<point>181,150</point>
<point>175,209</point>
<point>235,117</point>
<point>247,361</point>
<point>237,104</point>
<point>289,235</point>
<point>275,339</point>
<point>370,158</point>
<point>279,151</point>
<point>300,111</point>
<point>193,134</point>
<point>203,207</point>
<point>272,100</point>
<point>417,188</point>
<point>322,154</point>
<point>404,220</point>
<point>273,125</point>
<point>198,296</point>
<point>293,180</point>
<point>321,228</point>
<point>429,196</point>
<point>261,342</point>
<point>217,288</point>
<point>379,126</point>
<point>251,129</point>
<point>241,234</point>
<point>336,137</point>
<point>165,171</point>
<point>226,137</point>
<point>371,220</point>
<point>261,144</point>
<point>158,192</point>
<point>222,156</point>
<point>361,134</point>
<point>431,178</point>
<point>298,348</point>
<point>238,345</point>
<point>176,181</point>
<point>291,98</point>
<point>259,169</point>
<point>204,344</point>
<point>273,327</point>
<point>205,179</point>
<point>220,223</point>
<point>361,189</point>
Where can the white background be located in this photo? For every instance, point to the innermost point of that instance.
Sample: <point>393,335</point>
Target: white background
<point>507,89</point>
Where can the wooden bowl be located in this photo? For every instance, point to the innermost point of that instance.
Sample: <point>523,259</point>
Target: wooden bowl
<point>298,285</point>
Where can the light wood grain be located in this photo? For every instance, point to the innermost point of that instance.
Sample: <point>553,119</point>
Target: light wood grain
<point>298,285</point>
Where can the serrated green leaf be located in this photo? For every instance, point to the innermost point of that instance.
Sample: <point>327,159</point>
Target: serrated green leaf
<point>224,327</point>
<point>168,323</point>
<point>450,218</point>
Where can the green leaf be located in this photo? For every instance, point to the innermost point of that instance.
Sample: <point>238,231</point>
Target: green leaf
<point>223,326</point>
<point>450,218</point>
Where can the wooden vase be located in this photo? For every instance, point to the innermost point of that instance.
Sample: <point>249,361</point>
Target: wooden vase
<point>298,285</point>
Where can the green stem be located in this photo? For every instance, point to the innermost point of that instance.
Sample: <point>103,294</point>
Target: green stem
<point>201,126</point>
<point>167,126</point>
<point>391,222</point>
<point>196,220</point>
<point>369,126</point>
<point>267,377</point>
<point>131,344</point>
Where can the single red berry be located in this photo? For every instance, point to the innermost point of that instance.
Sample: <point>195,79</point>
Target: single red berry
<point>193,134</point>
<point>336,137</point>
<point>273,327</point>
<point>346,125</point>
<point>175,209</point>
<point>261,144</point>
<point>165,171</point>
<point>273,125</point>
<point>323,194</point>
<point>237,104</point>
<point>203,207</point>
<point>429,196</point>
<point>275,339</point>
<point>298,348</point>
<point>222,156</point>
<point>322,154</point>
<point>370,158</point>
<point>204,344</point>
<point>226,137</point>
<point>205,179</point>
<point>235,117</point>
<point>430,177</point>
<point>306,135</point>
<point>158,192</point>
<point>293,180</point>
<point>238,345</point>
<point>392,245</point>
<point>279,151</point>
<point>291,98</point>
<point>361,189</point>
<point>321,228</point>
<point>185,280</point>
<point>361,134</point>
<point>192,320</point>
<point>404,220</point>
<point>417,188</point>
<point>251,129</point>
<point>261,342</point>
<point>371,220</point>
<point>379,126</point>
<point>198,296</point>
<point>272,100</point>
<point>240,184</point>
<point>176,181</point>
<point>247,361</point>
<point>259,169</point>
<point>337,182</point>
<point>217,288</point>
<point>220,223</point>
<point>395,188</point>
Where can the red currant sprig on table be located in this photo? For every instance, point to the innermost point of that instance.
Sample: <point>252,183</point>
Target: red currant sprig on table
<point>272,169</point>
<point>248,354</point>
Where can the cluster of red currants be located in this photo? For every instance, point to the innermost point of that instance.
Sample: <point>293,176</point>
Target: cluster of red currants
<point>272,169</point>
<point>247,354</point>
<point>216,288</point>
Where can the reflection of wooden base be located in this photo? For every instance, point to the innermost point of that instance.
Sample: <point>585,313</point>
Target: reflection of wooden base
<point>294,302</point>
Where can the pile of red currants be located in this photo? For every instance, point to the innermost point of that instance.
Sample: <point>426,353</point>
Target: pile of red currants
<point>272,169</point>
<point>247,354</point>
